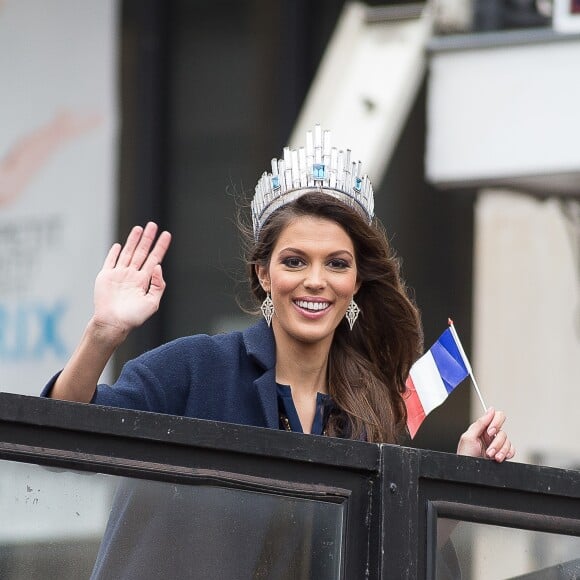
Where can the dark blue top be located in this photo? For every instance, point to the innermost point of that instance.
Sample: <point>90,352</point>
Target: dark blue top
<point>288,409</point>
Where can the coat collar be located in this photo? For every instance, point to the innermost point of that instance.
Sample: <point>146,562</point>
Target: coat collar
<point>261,347</point>
<point>260,344</point>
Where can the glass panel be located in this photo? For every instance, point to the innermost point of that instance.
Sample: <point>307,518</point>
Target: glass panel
<point>63,524</point>
<point>485,552</point>
<point>51,521</point>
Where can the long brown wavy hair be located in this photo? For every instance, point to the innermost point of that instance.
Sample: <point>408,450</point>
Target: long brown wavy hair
<point>369,365</point>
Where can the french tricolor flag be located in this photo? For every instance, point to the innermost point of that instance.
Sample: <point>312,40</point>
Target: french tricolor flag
<point>433,377</point>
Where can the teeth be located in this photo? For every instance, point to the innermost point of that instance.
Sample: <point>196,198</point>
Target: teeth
<point>312,305</point>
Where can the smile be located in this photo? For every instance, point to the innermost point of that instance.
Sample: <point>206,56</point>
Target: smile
<point>312,306</point>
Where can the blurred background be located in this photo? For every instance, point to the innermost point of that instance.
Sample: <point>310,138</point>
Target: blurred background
<point>464,112</point>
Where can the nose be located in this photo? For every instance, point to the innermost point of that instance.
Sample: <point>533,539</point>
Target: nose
<point>315,279</point>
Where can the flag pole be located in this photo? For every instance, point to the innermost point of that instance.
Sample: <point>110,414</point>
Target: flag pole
<point>466,361</point>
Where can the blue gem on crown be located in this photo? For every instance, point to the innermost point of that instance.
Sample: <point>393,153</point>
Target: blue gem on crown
<point>319,167</point>
<point>318,171</point>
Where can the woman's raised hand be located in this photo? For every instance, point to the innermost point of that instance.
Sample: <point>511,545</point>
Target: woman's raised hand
<point>486,438</point>
<point>127,292</point>
<point>129,287</point>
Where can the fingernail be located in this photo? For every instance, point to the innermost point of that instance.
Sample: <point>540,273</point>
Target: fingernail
<point>491,431</point>
<point>499,456</point>
<point>491,452</point>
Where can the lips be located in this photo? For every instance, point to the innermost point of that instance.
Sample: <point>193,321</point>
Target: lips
<point>312,306</point>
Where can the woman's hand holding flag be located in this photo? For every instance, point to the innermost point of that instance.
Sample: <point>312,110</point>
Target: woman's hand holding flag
<point>486,438</point>
<point>432,379</point>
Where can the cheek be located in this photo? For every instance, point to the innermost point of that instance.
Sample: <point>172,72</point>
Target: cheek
<point>347,288</point>
<point>282,283</point>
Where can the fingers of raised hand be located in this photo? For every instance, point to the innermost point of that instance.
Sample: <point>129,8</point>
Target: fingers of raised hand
<point>140,250</point>
<point>137,246</point>
<point>156,255</point>
<point>112,256</point>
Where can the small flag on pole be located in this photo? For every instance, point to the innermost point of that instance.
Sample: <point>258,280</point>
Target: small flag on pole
<point>434,376</point>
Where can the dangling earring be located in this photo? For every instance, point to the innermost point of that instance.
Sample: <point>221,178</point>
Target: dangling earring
<point>352,313</point>
<point>267,308</point>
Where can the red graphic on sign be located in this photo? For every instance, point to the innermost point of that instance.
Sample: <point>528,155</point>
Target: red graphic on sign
<point>29,155</point>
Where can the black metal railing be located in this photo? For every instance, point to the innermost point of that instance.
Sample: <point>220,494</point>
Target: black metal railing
<point>112,493</point>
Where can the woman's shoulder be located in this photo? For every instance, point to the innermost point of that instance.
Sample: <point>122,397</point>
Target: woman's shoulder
<point>254,341</point>
<point>207,351</point>
<point>201,345</point>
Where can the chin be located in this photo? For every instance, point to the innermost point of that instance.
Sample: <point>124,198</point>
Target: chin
<point>314,336</point>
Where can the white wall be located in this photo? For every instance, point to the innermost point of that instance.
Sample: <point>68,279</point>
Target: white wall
<point>58,149</point>
<point>527,320</point>
<point>504,112</point>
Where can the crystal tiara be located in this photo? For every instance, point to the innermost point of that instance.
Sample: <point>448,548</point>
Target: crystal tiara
<point>316,166</point>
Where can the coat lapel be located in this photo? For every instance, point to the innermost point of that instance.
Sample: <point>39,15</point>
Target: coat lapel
<point>266,389</point>
<point>260,346</point>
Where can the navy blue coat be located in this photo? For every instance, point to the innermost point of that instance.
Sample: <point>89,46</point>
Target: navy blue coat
<point>163,530</point>
<point>227,377</point>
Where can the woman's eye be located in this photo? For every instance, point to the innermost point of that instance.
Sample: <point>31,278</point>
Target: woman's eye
<point>338,264</point>
<point>293,262</point>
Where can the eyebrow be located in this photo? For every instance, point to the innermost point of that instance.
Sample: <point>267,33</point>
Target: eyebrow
<point>302,252</point>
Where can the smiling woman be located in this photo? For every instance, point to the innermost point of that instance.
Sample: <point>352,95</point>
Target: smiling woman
<point>339,334</point>
<point>311,278</point>
<point>318,258</point>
